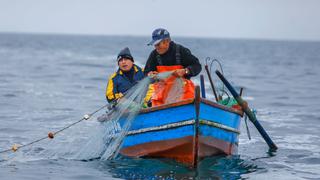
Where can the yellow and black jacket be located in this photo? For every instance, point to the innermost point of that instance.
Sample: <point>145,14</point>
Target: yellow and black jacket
<point>119,83</point>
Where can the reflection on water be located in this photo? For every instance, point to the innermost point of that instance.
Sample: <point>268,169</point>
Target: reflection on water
<point>231,167</point>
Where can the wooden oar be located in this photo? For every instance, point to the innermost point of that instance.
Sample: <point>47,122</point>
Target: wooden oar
<point>249,113</point>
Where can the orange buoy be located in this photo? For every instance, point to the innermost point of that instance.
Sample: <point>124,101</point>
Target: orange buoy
<point>50,135</point>
<point>15,147</point>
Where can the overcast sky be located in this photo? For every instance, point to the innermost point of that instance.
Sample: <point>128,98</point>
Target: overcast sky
<point>263,19</point>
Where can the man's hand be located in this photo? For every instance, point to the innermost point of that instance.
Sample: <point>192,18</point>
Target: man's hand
<point>120,95</point>
<point>180,72</point>
<point>152,73</point>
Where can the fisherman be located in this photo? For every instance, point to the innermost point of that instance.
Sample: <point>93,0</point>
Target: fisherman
<point>170,56</point>
<point>126,76</point>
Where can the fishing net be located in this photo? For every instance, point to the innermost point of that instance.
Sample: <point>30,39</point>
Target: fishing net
<point>108,140</point>
<point>101,140</point>
<point>117,122</point>
<point>176,91</point>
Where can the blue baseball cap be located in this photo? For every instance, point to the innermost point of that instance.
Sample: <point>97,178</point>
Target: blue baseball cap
<point>158,35</point>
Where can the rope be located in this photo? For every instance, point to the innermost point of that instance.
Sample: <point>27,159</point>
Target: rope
<point>254,111</point>
<point>16,147</point>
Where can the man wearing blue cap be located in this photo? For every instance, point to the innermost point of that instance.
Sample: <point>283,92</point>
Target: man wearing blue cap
<point>126,76</point>
<point>168,53</point>
<point>170,57</point>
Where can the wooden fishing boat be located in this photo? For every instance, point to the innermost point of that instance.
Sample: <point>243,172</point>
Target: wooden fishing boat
<point>186,131</point>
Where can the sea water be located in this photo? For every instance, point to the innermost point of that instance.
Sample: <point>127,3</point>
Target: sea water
<point>50,81</point>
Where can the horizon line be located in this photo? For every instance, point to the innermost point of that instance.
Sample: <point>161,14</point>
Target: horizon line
<point>176,36</point>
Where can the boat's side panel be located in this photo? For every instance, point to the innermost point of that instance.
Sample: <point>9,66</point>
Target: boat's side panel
<point>180,149</point>
<point>220,116</point>
<point>217,133</point>
<point>163,117</point>
<point>217,115</point>
<point>167,134</point>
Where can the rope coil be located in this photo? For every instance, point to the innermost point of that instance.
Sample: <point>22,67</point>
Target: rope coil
<point>51,135</point>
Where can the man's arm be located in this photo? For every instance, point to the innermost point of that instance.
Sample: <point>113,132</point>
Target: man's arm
<point>191,62</point>
<point>111,92</point>
<point>150,65</point>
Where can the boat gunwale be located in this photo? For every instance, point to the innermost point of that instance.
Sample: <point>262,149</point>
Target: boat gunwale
<point>189,101</point>
<point>220,106</point>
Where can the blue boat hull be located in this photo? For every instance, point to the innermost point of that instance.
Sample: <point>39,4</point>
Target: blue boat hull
<point>178,131</point>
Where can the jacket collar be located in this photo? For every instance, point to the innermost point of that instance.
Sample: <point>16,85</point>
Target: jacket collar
<point>134,67</point>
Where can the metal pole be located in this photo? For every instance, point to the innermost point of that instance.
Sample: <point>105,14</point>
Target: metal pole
<point>211,82</point>
<point>203,89</point>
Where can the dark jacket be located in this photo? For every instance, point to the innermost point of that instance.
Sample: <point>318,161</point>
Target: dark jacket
<point>120,82</point>
<point>188,60</point>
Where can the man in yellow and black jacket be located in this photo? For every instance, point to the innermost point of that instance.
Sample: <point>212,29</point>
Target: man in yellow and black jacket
<point>126,76</point>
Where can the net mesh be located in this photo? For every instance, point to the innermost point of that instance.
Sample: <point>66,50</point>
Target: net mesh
<point>107,142</point>
<point>99,140</point>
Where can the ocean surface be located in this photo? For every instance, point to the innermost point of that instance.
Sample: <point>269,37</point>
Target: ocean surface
<point>50,81</point>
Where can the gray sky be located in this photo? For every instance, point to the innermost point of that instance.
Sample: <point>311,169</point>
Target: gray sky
<point>266,19</point>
